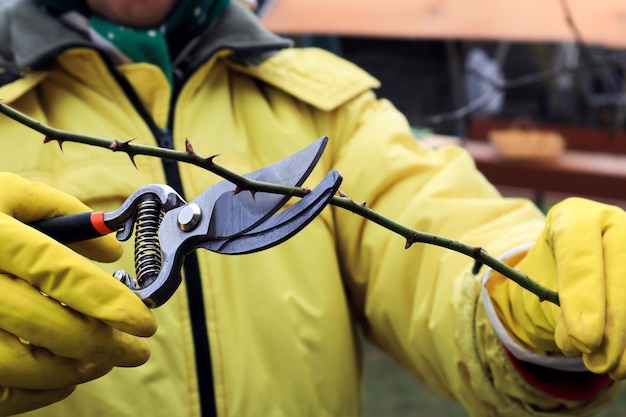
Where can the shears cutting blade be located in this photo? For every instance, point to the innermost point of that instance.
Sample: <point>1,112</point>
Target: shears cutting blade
<point>167,228</point>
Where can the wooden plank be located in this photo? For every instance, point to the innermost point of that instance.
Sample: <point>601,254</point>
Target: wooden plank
<point>577,137</point>
<point>601,22</point>
<point>597,175</point>
<point>574,173</point>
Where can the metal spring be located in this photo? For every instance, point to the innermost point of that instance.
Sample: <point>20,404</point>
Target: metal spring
<point>148,258</point>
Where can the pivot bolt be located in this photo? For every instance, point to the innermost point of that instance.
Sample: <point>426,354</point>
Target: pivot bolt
<point>189,217</point>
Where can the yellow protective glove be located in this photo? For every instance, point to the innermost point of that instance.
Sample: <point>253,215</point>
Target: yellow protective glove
<point>581,253</point>
<point>63,320</point>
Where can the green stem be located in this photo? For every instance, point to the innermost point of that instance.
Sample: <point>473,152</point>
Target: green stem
<point>411,235</point>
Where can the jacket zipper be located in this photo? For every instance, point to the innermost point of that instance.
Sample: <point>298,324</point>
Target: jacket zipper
<point>191,267</point>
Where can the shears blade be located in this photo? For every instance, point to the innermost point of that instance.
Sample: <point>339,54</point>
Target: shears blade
<point>246,209</point>
<point>277,228</point>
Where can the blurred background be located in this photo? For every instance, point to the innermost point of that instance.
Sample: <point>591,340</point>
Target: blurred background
<point>535,91</point>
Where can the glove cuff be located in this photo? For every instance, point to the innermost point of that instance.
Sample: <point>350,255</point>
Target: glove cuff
<point>513,347</point>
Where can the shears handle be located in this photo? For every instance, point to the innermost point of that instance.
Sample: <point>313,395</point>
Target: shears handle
<point>74,227</point>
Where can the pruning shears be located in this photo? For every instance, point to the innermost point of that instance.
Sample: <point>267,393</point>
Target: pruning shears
<point>167,227</point>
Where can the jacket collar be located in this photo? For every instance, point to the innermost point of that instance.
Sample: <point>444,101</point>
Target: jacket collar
<point>30,38</point>
<point>241,32</point>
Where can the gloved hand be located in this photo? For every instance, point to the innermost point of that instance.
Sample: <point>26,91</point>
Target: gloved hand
<point>63,320</point>
<point>581,253</point>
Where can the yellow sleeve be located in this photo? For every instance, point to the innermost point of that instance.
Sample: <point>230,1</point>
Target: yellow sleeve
<point>421,305</point>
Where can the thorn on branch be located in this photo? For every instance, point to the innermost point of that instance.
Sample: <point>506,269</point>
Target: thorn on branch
<point>124,146</point>
<point>410,241</point>
<point>211,158</point>
<point>132,159</point>
<point>239,189</point>
<point>476,267</point>
<point>342,194</point>
<point>49,139</point>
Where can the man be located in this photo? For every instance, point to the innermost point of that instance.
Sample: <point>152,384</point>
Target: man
<point>273,333</point>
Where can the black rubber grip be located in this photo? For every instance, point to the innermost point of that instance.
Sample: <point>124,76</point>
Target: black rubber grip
<point>68,229</point>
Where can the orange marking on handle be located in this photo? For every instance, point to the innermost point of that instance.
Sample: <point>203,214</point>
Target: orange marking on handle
<point>97,220</point>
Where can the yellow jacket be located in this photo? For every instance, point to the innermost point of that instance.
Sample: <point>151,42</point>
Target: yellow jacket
<point>282,324</point>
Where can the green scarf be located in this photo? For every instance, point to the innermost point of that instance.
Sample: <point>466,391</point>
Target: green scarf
<point>159,45</point>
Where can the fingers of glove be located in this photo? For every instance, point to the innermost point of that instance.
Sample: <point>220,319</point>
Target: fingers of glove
<point>535,326</point>
<point>102,249</point>
<point>608,357</point>
<point>576,228</point>
<point>14,400</point>
<point>44,322</point>
<point>537,319</point>
<point>30,367</point>
<point>31,201</point>
<point>618,372</point>
<point>70,278</point>
<point>563,341</point>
